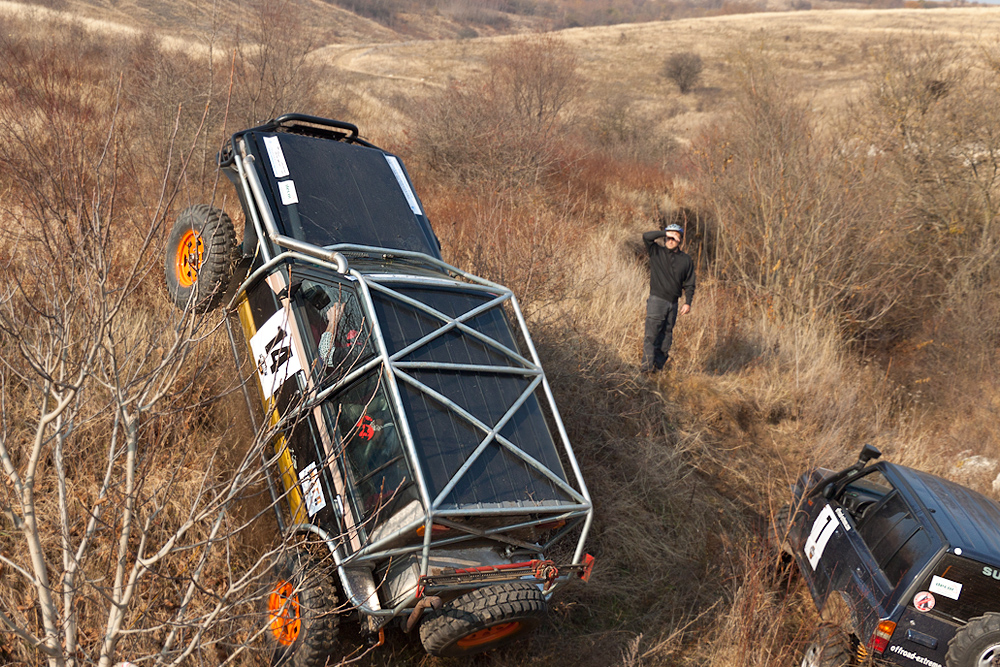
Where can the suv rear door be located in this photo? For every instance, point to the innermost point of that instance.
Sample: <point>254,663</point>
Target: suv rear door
<point>950,593</point>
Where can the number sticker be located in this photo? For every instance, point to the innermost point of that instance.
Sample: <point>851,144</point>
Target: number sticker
<point>822,529</point>
<point>274,353</point>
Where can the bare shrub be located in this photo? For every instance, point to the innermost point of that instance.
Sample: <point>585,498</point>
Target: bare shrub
<point>516,242</point>
<point>796,222</point>
<point>272,72</point>
<point>103,517</point>
<point>622,130</point>
<point>912,119</point>
<point>383,11</point>
<point>684,69</point>
<point>172,98</point>
<point>120,494</point>
<point>499,129</point>
<point>921,126</point>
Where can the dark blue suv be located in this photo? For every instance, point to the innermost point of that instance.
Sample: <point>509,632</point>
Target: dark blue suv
<point>904,566</point>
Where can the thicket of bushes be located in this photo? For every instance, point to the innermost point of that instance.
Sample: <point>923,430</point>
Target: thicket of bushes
<point>833,259</point>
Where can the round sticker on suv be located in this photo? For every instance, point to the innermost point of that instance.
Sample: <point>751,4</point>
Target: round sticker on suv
<point>923,601</point>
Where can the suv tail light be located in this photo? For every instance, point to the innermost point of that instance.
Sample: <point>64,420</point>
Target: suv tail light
<point>881,636</point>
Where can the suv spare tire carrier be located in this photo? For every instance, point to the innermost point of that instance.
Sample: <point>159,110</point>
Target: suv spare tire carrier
<point>198,259</point>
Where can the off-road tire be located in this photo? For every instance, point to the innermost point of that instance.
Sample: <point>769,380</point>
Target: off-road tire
<point>778,530</point>
<point>977,644</point>
<point>829,646</point>
<point>300,613</point>
<point>483,619</point>
<point>198,260</point>
<point>783,570</point>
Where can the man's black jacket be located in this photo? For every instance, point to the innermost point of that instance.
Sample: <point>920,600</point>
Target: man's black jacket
<point>670,271</point>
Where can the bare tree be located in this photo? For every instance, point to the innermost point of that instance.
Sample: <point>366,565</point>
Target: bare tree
<point>684,69</point>
<point>500,128</point>
<point>118,529</point>
<point>273,74</point>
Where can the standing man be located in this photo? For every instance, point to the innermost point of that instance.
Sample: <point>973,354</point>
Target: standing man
<point>671,272</point>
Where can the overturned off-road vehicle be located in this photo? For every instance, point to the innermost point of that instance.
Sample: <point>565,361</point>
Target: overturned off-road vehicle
<point>418,449</point>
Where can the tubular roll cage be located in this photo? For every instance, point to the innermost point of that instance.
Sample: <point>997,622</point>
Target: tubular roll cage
<point>396,371</point>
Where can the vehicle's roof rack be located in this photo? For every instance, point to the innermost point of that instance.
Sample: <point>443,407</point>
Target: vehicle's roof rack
<point>303,124</point>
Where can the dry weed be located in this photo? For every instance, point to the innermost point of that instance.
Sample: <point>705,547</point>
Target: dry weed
<point>783,362</point>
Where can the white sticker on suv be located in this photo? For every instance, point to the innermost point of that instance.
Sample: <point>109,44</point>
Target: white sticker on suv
<point>273,353</point>
<point>397,171</point>
<point>278,165</point>
<point>312,490</point>
<point>288,194</point>
<point>822,529</point>
<point>946,587</point>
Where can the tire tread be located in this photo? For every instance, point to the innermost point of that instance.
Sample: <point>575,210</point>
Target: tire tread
<point>478,609</point>
<point>219,236</point>
<point>967,637</point>
<point>318,600</point>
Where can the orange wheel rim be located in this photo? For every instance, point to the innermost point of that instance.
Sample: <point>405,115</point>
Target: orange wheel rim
<point>283,613</point>
<point>490,634</point>
<point>190,253</point>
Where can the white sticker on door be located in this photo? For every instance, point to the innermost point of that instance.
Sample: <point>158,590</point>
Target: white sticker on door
<point>274,353</point>
<point>946,587</point>
<point>822,529</point>
<point>312,489</point>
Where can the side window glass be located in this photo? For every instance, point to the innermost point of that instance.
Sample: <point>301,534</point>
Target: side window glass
<point>372,446</point>
<point>335,326</point>
<point>895,538</point>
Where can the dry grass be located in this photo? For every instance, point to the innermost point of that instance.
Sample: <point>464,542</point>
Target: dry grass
<point>685,468</point>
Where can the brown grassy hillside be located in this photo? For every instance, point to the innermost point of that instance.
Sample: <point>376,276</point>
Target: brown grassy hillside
<point>847,292</point>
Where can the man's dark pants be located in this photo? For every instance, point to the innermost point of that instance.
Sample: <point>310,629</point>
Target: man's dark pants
<point>660,318</point>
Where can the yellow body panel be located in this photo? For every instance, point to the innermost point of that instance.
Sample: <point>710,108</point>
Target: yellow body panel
<point>289,478</point>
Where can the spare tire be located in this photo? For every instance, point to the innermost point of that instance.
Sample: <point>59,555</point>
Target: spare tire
<point>483,619</point>
<point>198,260</point>
<point>977,644</point>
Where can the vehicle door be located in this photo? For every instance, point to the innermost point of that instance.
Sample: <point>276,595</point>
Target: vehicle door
<point>837,556</point>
